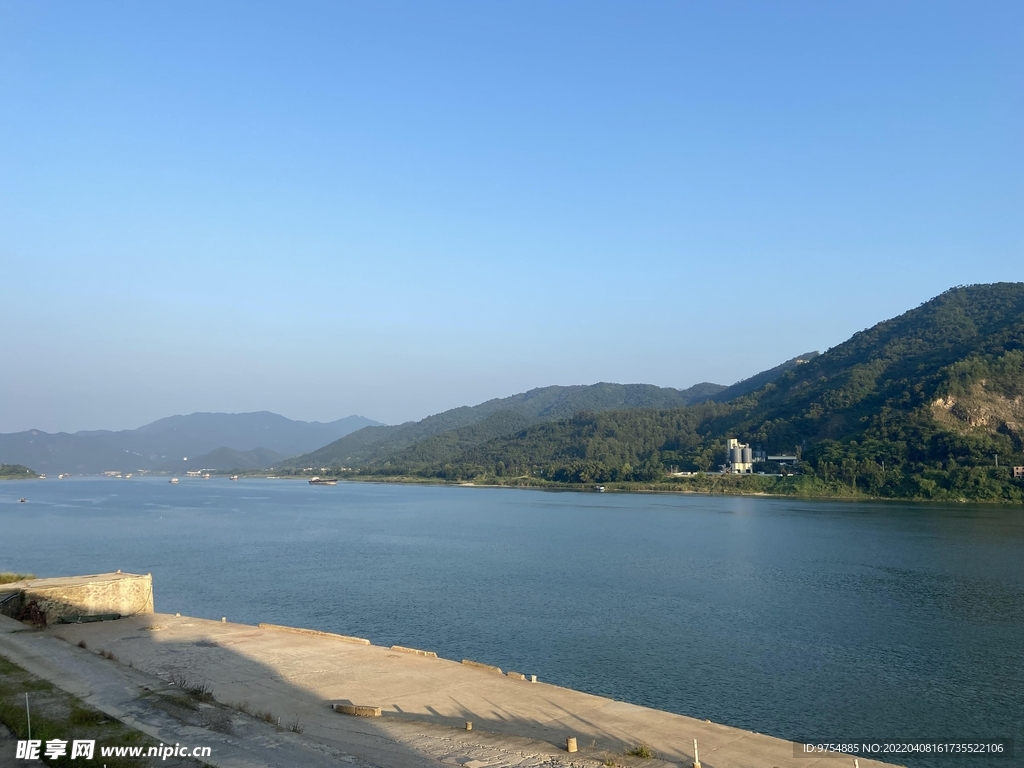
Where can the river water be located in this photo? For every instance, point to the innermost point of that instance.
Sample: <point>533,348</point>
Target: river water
<point>812,620</point>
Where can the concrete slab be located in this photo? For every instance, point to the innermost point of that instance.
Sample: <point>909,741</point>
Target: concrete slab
<point>425,701</point>
<point>243,741</point>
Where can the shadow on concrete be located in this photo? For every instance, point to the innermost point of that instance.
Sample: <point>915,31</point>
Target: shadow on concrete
<point>417,733</point>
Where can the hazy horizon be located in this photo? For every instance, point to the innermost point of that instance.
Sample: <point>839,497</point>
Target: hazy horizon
<point>397,209</point>
<point>321,420</point>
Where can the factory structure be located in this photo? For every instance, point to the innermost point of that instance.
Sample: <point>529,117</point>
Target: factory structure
<point>740,459</point>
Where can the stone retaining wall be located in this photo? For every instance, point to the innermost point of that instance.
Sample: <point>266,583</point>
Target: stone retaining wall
<point>125,594</point>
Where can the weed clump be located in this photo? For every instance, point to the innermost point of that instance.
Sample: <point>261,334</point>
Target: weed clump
<point>640,750</point>
<point>266,716</point>
<point>199,691</point>
<point>244,707</point>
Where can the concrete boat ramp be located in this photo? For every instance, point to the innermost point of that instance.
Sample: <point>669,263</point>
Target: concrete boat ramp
<point>424,701</point>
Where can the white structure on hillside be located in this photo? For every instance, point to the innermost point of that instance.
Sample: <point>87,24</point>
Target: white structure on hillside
<point>741,458</point>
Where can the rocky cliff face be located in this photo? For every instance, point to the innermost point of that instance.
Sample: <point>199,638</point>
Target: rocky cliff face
<point>982,409</point>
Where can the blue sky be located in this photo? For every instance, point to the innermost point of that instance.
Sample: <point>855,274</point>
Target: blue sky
<point>397,208</point>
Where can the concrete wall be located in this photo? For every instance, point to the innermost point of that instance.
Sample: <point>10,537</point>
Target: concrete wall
<point>123,593</point>
<point>10,602</point>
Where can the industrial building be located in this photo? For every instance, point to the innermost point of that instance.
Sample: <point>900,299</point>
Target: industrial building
<point>741,458</point>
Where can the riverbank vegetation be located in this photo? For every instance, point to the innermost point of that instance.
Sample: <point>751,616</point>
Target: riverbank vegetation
<point>6,577</point>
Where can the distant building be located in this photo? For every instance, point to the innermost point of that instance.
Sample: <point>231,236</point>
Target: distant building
<point>1018,473</point>
<point>741,458</point>
<point>784,458</point>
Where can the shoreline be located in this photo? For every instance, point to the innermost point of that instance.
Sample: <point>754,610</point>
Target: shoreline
<point>611,487</point>
<point>681,492</point>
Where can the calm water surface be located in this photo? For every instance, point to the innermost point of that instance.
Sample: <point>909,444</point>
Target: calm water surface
<point>800,619</point>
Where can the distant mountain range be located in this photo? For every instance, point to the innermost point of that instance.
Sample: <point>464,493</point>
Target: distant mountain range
<point>449,436</point>
<point>927,405</point>
<point>446,434</point>
<point>208,440</point>
<point>253,441</point>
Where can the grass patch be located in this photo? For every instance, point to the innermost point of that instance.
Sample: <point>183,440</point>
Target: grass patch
<point>266,716</point>
<point>38,685</point>
<point>295,726</point>
<point>80,723</point>
<point>82,716</point>
<point>244,707</point>
<point>6,577</point>
<point>180,700</point>
<point>198,691</point>
<point>640,750</point>
<point>59,715</point>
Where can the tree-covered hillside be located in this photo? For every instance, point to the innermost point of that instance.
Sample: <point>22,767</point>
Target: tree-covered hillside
<point>917,406</point>
<point>754,383</point>
<point>376,446</point>
<point>15,472</point>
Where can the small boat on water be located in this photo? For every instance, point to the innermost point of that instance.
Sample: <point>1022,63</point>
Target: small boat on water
<point>322,481</point>
<point>234,477</point>
<point>173,481</point>
<point>599,488</point>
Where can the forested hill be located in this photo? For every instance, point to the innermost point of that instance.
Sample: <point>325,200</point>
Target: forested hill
<point>745,387</point>
<point>471,425</point>
<point>883,383</point>
<point>15,472</point>
<point>917,406</point>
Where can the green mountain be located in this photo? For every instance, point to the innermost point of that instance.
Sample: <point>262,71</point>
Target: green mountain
<point>884,384</point>
<point>446,434</point>
<point>916,406</point>
<point>15,472</point>
<point>745,387</point>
